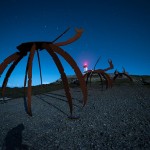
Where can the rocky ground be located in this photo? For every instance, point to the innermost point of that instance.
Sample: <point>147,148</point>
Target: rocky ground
<point>116,118</point>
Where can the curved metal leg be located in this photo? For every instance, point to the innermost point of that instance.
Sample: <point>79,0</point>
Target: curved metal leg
<point>108,79</point>
<point>105,79</point>
<point>114,78</point>
<point>91,75</point>
<point>26,72</point>
<point>74,38</point>
<point>7,61</point>
<point>31,56</point>
<point>85,77</point>
<point>63,76</point>
<point>10,70</point>
<point>73,64</point>
<point>101,79</point>
<point>39,66</point>
<point>127,76</point>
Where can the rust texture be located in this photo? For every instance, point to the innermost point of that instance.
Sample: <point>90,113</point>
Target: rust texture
<point>101,73</point>
<point>53,49</point>
<point>75,37</point>
<point>121,74</point>
<point>7,61</point>
<point>73,64</point>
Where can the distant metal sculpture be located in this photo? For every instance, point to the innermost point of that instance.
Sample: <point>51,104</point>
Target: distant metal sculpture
<point>101,73</point>
<point>52,48</point>
<point>144,81</point>
<point>120,75</point>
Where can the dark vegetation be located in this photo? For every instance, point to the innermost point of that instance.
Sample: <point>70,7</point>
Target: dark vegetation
<point>17,92</point>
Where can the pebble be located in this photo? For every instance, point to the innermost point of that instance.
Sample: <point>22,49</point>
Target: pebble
<point>117,118</point>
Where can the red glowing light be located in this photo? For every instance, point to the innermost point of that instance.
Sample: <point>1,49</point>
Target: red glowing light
<point>85,64</point>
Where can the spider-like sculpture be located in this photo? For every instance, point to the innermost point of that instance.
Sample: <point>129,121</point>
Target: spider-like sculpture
<point>121,74</point>
<point>101,73</point>
<point>53,49</point>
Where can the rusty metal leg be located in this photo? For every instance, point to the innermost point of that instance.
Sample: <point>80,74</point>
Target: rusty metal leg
<point>74,38</point>
<point>109,80</point>
<point>25,78</point>
<point>39,66</point>
<point>25,83</point>
<point>7,61</point>
<point>128,77</point>
<point>114,78</point>
<point>87,78</point>
<point>10,70</point>
<point>105,77</point>
<point>64,79</point>
<point>31,56</point>
<point>73,64</point>
<point>91,74</point>
<point>101,79</point>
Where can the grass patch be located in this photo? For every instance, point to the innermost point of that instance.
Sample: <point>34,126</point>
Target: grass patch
<point>123,81</point>
<point>17,92</point>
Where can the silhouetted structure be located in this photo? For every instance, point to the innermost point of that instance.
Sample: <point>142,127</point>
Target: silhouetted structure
<point>101,73</point>
<point>120,75</point>
<point>52,48</point>
<point>144,81</point>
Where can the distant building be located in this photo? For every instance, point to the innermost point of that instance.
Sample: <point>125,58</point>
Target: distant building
<point>85,68</point>
<point>71,78</point>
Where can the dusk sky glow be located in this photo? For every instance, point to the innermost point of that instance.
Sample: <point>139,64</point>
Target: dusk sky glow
<point>113,29</point>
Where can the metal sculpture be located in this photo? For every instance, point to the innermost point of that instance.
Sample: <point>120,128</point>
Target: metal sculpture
<point>121,74</point>
<point>101,73</point>
<point>144,81</point>
<point>53,49</point>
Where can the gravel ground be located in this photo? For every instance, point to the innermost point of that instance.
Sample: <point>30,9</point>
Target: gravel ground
<point>117,118</point>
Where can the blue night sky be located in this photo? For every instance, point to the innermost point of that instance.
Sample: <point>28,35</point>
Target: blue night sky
<point>116,29</point>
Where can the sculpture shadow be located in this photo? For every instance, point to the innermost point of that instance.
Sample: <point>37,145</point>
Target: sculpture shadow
<point>42,99</point>
<point>60,97</point>
<point>53,105</point>
<point>13,139</point>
